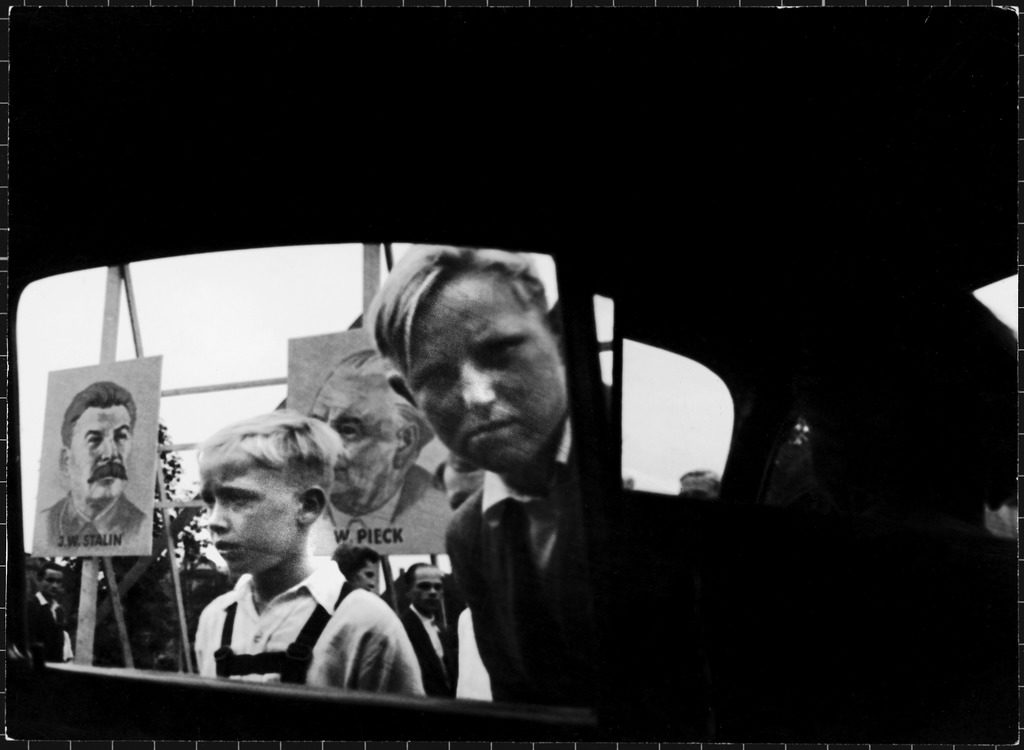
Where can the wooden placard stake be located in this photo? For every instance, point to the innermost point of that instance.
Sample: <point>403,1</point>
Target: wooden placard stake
<point>371,283</point>
<point>85,637</point>
<point>179,599</point>
<point>115,598</point>
<point>444,610</point>
<point>371,275</point>
<point>389,579</point>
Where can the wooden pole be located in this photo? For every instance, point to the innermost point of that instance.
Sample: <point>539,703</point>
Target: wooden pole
<point>86,630</point>
<point>115,598</point>
<point>85,636</point>
<point>169,531</point>
<point>371,274</point>
<point>389,578</point>
<point>176,579</point>
<point>444,610</point>
<point>371,283</point>
<point>142,564</point>
<point>133,310</point>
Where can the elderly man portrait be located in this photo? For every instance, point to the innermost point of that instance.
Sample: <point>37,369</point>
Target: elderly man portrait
<point>380,495</point>
<point>96,434</point>
<point>470,333</point>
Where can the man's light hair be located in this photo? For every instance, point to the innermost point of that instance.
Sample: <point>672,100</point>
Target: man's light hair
<point>302,448</point>
<point>426,268</point>
<point>367,366</point>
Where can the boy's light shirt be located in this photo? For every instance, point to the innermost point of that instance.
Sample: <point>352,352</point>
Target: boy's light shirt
<point>274,629</point>
<point>364,646</point>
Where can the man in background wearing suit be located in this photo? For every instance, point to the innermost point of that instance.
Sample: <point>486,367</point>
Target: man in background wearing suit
<point>434,645</point>
<point>46,617</point>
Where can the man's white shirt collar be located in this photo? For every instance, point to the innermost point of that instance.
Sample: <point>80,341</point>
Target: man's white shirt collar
<point>427,619</point>
<point>52,606</point>
<point>495,490</point>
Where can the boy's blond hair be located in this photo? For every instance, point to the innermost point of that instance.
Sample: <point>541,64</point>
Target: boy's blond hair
<point>303,449</point>
<point>426,268</point>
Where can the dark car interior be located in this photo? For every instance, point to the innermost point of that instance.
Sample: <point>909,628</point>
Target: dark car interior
<point>802,202</point>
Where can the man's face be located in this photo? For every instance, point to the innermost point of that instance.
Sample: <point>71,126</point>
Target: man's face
<point>426,590</point>
<point>253,515</point>
<point>487,372</point>
<point>373,463</point>
<point>52,584</point>
<point>101,442</point>
<point>366,577</point>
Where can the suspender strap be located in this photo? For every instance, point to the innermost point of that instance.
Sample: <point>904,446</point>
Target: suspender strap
<point>299,653</point>
<point>224,656</point>
<point>346,589</point>
<point>229,625</point>
<point>292,663</point>
<point>268,662</point>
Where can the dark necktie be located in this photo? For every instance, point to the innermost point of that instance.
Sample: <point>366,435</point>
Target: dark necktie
<point>529,610</point>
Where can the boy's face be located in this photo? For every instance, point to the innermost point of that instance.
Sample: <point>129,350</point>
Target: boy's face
<point>366,577</point>
<point>255,517</point>
<point>487,371</point>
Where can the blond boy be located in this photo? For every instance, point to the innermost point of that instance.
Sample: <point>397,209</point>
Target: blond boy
<point>288,619</point>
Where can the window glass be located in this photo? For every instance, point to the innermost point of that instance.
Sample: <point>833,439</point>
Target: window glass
<point>227,327</point>
<point>677,418</point>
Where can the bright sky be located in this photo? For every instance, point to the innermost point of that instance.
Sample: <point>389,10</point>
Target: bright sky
<point>227,317</point>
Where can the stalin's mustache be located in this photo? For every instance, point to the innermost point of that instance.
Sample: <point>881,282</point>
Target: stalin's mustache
<point>111,469</point>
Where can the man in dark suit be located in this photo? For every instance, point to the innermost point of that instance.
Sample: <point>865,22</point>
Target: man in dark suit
<point>470,333</point>
<point>46,616</point>
<point>434,644</point>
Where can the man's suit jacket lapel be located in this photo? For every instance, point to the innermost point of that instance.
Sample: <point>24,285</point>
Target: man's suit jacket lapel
<point>424,648</point>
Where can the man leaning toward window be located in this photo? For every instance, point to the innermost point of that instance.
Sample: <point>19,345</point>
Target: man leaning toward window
<point>469,332</point>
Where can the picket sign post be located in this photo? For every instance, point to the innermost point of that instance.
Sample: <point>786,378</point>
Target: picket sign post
<point>444,611</point>
<point>188,510</point>
<point>115,597</point>
<point>389,578</point>
<point>371,283</point>
<point>179,600</point>
<point>85,636</point>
